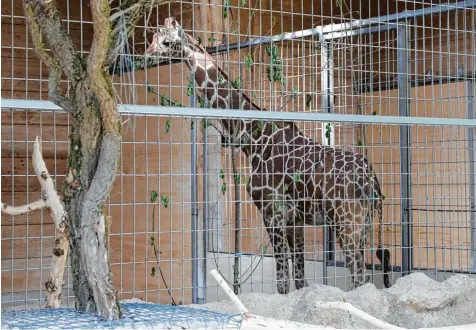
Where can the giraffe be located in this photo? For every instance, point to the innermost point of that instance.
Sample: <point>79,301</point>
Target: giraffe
<point>294,181</point>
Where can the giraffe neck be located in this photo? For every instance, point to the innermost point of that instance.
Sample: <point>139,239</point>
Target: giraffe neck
<point>217,90</point>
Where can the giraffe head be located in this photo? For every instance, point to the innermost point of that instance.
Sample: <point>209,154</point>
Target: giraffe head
<point>168,42</point>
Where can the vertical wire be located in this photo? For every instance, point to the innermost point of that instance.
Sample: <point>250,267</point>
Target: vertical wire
<point>159,177</point>
<point>192,144</point>
<point>170,258</point>
<point>12,43</point>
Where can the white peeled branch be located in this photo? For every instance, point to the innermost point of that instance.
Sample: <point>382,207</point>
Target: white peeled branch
<point>345,306</point>
<point>55,207</point>
<point>229,292</point>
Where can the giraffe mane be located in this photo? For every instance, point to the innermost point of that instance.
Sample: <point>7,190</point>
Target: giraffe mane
<point>196,44</point>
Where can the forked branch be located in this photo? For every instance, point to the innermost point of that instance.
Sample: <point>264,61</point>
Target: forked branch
<point>52,202</point>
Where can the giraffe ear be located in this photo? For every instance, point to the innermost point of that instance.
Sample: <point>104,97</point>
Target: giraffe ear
<point>170,23</point>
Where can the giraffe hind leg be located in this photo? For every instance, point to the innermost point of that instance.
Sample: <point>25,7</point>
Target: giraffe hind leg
<point>275,226</point>
<point>349,240</point>
<point>295,238</point>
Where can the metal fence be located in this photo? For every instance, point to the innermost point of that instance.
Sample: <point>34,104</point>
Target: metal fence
<point>397,88</point>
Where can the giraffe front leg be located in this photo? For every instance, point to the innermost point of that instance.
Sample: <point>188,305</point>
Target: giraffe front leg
<point>295,238</point>
<point>275,225</point>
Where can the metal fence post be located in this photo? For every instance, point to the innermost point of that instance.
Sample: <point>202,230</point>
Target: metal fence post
<point>405,151</point>
<point>198,258</point>
<point>471,92</point>
<point>327,101</point>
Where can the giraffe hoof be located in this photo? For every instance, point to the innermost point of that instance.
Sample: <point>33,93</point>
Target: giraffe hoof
<point>283,287</point>
<point>299,284</point>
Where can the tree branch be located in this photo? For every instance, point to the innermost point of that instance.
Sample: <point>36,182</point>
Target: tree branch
<point>52,202</point>
<point>54,285</point>
<point>54,92</point>
<point>17,210</point>
<point>101,83</point>
<point>125,21</point>
<point>44,18</point>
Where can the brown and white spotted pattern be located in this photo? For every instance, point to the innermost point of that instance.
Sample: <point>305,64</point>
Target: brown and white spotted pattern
<point>294,180</point>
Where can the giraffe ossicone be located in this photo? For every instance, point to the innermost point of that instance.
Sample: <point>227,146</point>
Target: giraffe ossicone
<point>294,181</point>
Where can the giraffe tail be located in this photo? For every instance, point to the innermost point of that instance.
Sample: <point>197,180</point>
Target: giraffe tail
<point>383,255</point>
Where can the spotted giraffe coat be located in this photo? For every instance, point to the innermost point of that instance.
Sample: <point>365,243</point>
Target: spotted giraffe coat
<point>294,180</point>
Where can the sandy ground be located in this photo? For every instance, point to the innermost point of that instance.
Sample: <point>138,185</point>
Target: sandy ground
<point>414,301</point>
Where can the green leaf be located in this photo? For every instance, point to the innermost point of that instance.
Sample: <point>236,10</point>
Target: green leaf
<point>243,3</point>
<point>201,102</point>
<point>359,143</point>
<point>153,196</point>
<point>226,5</point>
<point>308,100</point>
<point>163,100</point>
<point>286,187</point>
<point>152,272</point>
<point>199,40</point>
<point>274,127</point>
<point>150,90</point>
<point>211,38</point>
<point>221,80</point>
<point>237,178</point>
<point>236,83</point>
<point>246,180</point>
<point>190,87</point>
<point>294,92</point>
<point>152,240</point>
<point>254,94</point>
<point>297,177</point>
<point>164,200</point>
<point>383,197</point>
<point>248,61</point>
<point>328,130</point>
<point>222,174</point>
<point>223,188</point>
<point>260,125</point>
<point>374,113</point>
<point>167,126</point>
<point>265,248</point>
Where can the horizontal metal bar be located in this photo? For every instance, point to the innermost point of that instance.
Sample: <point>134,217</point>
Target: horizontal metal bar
<point>408,14</point>
<point>341,264</point>
<point>359,31</point>
<point>264,40</point>
<point>415,82</point>
<point>253,114</point>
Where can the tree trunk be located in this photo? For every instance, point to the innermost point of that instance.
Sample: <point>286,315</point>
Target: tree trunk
<point>92,283</point>
<point>94,145</point>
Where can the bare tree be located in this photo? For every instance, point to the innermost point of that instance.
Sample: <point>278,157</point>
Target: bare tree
<point>95,138</point>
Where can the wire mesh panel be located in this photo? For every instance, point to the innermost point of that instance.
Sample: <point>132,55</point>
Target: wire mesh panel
<point>180,203</point>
